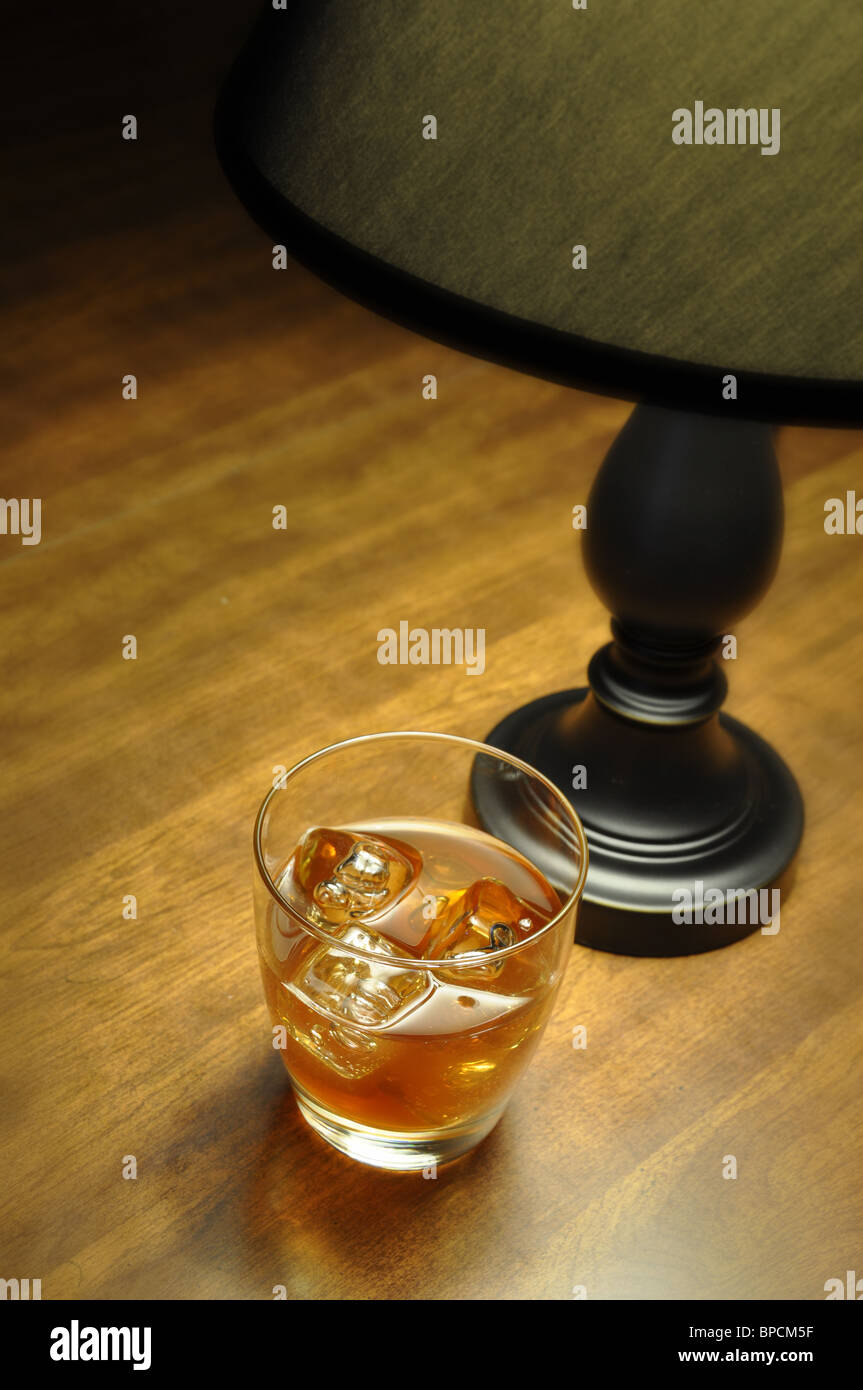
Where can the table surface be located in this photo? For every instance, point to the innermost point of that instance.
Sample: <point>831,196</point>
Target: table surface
<point>255,646</point>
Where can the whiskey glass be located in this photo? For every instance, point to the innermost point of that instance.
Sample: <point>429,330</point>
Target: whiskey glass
<point>410,961</point>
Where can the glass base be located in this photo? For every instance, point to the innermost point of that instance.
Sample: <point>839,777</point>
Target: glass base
<point>400,1151</point>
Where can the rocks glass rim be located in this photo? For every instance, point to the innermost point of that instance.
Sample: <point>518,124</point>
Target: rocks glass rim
<point>468,958</point>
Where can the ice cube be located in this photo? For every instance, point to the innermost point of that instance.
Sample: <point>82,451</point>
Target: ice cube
<point>353,987</point>
<point>360,884</point>
<point>346,1050</point>
<point>336,876</point>
<point>487,916</point>
<point>352,1001</point>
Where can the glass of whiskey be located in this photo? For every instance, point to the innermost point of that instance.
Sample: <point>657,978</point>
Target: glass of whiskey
<point>410,960</point>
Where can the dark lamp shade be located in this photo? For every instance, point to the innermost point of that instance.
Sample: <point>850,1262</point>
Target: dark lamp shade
<point>555,130</point>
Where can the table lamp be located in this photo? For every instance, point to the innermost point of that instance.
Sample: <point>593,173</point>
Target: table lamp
<point>659,202</point>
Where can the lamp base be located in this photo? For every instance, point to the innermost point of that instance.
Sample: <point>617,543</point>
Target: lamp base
<point>676,816</point>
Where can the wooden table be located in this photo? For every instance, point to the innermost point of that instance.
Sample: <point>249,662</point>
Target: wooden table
<point>149,1037</point>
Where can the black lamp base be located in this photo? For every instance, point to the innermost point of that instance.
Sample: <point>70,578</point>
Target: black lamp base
<point>665,809</point>
<point>691,818</point>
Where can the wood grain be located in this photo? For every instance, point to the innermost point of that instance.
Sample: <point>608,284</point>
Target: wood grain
<point>256,646</point>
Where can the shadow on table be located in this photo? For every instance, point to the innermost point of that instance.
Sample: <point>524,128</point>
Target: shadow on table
<point>329,1227</point>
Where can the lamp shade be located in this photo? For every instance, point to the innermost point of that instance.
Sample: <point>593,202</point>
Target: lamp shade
<point>639,198</point>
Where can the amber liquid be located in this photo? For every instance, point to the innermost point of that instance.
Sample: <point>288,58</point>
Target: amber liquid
<point>452,1050</point>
